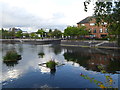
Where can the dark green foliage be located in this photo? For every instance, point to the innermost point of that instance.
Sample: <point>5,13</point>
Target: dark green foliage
<point>41,54</point>
<point>75,32</point>
<point>26,35</point>
<point>19,34</point>
<point>41,32</point>
<point>11,63</point>
<point>56,33</point>
<point>49,34</point>
<point>51,64</point>
<point>32,35</point>
<point>108,12</point>
<point>11,56</point>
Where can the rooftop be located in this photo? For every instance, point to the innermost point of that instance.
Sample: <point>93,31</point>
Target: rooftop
<point>86,20</point>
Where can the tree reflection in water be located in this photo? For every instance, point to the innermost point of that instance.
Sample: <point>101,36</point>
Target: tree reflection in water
<point>107,61</point>
<point>90,60</point>
<point>56,49</point>
<point>11,64</point>
<point>53,71</point>
<point>41,54</point>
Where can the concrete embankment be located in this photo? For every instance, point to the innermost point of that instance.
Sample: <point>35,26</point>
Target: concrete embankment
<point>91,44</point>
<point>31,41</point>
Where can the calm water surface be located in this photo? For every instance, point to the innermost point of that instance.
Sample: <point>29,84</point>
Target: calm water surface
<point>80,69</point>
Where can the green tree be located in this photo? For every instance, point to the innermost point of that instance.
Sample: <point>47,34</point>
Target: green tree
<point>49,33</point>
<point>26,35</point>
<point>12,33</point>
<point>0,34</point>
<point>32,35</point>
<point>71,31</point>
<point>75,32</point>
<point>57,33</point>
<point>108,12</point>
<point>83,31</point>
<point>19,34</point>
<point>4,34</point>
<point>41,32</point>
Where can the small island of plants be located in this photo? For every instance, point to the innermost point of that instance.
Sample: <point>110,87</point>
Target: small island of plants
<point>11,56</point>
<point>51,64</point>
<point>41,54</point>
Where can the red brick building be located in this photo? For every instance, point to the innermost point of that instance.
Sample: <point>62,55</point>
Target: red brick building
<point>95,31</point>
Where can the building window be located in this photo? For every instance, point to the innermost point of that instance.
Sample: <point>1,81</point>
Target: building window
<point>92,24</point>
<point>82,24</point>
<point>94,31</point>
<point>106,30</point>
<point>104,23</point>
<point>101,30</point>
<point>90,30</point>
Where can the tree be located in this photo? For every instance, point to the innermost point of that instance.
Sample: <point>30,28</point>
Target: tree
<point>83,31</point>
<point>26,35</point>
<point>75,32</point>
<point>32,35</point>
<point>49,33</point>
<point>71,31</point>
<point>19,34</point>
<point>57,33</point>
<point>108,12</point>
<point>41,32</point>
<point>4,34</point>
<point>0,34</point>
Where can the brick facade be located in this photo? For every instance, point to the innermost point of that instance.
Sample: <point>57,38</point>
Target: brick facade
<point>95,31</point>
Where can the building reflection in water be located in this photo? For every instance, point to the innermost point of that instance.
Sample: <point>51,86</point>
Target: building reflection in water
<point>91,58</point>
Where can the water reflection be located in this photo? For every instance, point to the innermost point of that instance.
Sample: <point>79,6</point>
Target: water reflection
<point>53,71</point>
<point>11,64</point>
<point>57,49</point>
<point>90,59</point>
<point>11,58</point>
<point>20,48</point>
<point>41,54</point>
<point>83,59</point>
<point>45,69</point>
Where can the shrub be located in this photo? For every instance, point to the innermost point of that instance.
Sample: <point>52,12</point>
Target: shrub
<point>51,64</point>
<point>41,54</point>
<point>11,56</point>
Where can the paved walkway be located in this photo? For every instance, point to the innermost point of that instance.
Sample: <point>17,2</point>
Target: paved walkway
<point>94,44</point>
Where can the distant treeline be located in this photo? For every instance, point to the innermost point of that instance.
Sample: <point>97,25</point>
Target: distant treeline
<point>71,32</point>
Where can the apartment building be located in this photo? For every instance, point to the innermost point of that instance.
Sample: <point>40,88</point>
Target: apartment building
<point>94,30</point>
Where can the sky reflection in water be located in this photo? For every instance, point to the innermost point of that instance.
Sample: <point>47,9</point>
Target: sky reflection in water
<point>27,73</point>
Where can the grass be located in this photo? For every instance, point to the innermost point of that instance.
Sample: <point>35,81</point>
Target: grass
<point>11,56</point>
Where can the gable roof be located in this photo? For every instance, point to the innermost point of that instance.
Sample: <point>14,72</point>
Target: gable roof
<point>86,20</point>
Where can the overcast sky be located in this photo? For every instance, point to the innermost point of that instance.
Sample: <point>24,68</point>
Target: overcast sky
<point>31,15</point>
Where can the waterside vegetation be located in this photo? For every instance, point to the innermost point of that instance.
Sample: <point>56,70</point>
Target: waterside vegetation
<point>51,64</point>
<point>11,56</point>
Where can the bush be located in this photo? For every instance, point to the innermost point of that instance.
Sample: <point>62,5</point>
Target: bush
<point>11,56</point>
<point>51,64</point>
<point>41,54</point>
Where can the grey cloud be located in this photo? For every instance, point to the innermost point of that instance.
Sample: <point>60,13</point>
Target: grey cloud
<point>18,17</point>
